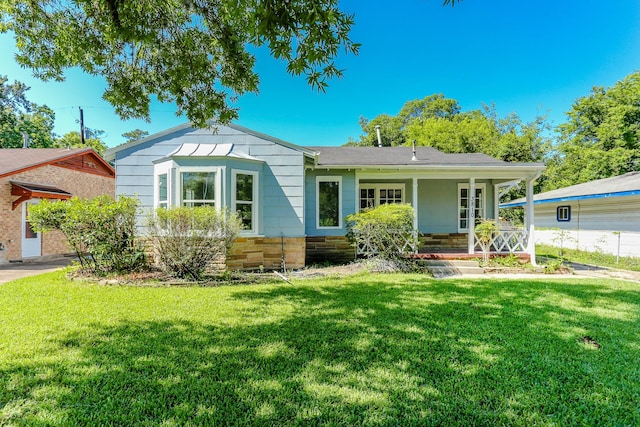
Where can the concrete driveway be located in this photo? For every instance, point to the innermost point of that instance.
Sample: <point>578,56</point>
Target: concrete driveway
<point>13,271</point>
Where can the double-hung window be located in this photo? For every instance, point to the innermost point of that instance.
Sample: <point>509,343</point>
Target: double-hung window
<point>328,202</point>
<point>244,190</point>
<point>163,191</point>
<point>464,203</point>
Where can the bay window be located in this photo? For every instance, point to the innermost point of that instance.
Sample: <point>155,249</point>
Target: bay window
<point>198,188</point>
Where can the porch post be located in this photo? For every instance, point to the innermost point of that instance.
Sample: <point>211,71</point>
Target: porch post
<point>415,211</point>
<point>471,215</point>
<point>529,222</point>
<point>496,203</point>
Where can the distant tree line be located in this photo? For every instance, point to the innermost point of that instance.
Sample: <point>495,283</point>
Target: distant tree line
<point>22,119</point>
<point>600,139</point>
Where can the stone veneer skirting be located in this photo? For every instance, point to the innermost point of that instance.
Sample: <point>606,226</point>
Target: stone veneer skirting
<point>335,249</point>
<point>443,241</point>
<point>253,253</point>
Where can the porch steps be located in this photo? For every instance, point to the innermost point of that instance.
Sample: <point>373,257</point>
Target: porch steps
<point>441,268</point>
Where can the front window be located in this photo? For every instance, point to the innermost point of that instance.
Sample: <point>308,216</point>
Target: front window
<point>372,195</point>
<point>329,193</point>
<point>198,188</point>
<point>244,196</point>
<point>464,202</point>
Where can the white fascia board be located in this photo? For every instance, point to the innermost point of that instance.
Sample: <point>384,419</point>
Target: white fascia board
<point>110,153</point>
<point>446,173</point>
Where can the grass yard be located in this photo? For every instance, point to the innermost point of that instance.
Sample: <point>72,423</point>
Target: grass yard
<point>593,258</point>
<point>363,350</point>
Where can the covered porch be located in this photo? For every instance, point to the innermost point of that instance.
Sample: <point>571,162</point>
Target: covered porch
<point>447,202</point>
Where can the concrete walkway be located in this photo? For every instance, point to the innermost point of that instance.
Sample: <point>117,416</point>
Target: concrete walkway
<point>18,270</point>
<point>603,272</point>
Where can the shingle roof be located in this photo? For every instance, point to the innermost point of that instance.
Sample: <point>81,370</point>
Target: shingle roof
<point>13,160</point>
<point>398,156</point>
<point>621,185</point>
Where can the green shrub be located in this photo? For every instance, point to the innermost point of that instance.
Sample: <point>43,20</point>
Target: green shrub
<point>385,231</point>
<point>187,240</point>
<point>101,231</point>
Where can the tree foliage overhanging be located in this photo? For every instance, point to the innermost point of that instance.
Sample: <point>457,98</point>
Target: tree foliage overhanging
<point>196,53</point>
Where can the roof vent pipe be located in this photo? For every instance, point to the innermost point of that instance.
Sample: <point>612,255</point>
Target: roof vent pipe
<point>414,158</point>
<point>379,139</point>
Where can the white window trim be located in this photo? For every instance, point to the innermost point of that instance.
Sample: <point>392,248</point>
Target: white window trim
<point>162,169</point>
<point>566,217</point>
<point>481,186</point>
<point>254,202</point>
<point>377,186</point>
<point>320,179</point>
<point>159,202</point>
<point>219,171</point>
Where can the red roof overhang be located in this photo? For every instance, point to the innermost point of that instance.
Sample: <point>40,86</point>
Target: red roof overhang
<point>28,190</point>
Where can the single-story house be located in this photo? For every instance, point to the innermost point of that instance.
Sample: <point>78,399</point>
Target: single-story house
<point>293,199</point>
<point>601,215</point>
<point>28,175</point>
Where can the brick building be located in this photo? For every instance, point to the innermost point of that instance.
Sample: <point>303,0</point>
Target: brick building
<point>28,175</point>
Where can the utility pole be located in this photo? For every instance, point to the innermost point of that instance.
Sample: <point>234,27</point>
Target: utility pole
<point>81,126</point>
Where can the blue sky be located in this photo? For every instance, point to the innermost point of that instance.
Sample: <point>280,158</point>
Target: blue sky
<point>528,57</point>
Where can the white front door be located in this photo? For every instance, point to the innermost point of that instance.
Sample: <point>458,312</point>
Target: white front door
<point>31,241</point>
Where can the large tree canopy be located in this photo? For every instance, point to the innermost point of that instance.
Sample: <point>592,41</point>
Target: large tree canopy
<point>438,122</point>
<point>196,53</point>
<point>601,137</point>
<point>20,117</point>
<point>73,139</point>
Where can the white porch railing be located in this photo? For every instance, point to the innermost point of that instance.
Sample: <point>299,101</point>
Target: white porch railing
<point>401,241</point>
<point>506,241</point>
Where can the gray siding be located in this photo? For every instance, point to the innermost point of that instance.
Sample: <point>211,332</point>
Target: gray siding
<point>438,204</point>
<point>613,214</point>
<point>348,201</point>
<point>281,186</point>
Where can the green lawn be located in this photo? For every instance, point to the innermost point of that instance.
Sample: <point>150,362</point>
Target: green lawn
<point>363,350</point>
<point>592,258</point>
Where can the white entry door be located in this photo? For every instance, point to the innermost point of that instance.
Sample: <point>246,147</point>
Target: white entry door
<point>31,241</point>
